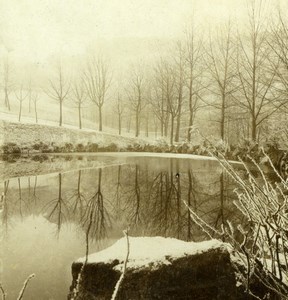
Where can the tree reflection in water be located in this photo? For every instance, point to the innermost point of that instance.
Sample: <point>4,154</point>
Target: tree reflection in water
<point>4,208</point>
<point>58,210</point>
<point>163,192</point>
<point>149,199</point>
<point>20,197</point>
<point>35,197</point>
<point>95,217</point>
<point>78,198</point>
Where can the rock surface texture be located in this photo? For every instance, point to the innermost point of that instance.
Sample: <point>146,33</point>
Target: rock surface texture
<point>160,268</point>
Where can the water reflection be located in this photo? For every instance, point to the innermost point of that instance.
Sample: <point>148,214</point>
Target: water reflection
<point>58,210</point>
<point>148,201</point>
<point>93,206</point>
<point>95,218</point>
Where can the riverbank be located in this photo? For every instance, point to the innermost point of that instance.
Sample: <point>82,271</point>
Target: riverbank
<point>12,166</point>
<point>20,137</point>
<point>26,138</point>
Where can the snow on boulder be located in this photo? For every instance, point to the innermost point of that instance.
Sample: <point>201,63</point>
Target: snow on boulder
<point>164,268</point>
<point>150,251</point>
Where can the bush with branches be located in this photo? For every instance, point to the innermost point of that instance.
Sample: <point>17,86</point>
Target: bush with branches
<point>262,243</point>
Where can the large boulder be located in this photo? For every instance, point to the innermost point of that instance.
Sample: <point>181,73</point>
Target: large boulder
<point>164,268</point>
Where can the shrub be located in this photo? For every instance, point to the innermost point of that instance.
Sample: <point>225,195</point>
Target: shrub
<point>80,148</point>
<point>111,148</point>
<point>68,147</point>
<point>45,148</point>
<point>92,147</point>
<point>11,148</point>
<point>263,243</point>
<point>37,146</point>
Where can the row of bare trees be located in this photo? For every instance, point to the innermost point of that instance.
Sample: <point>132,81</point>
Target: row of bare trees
<point>236,77</point>
<point>91,85</point>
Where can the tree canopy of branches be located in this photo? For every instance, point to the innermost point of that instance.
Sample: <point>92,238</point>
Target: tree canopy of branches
<point>220,57</point>
<point>256,93</point>
<point>97,79</point>
<point>136,92</point>
<point>58,90</point>
<point>79,97</point>
<point>194,66</point>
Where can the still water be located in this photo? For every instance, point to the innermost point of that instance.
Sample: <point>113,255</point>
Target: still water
<point>45,217</point>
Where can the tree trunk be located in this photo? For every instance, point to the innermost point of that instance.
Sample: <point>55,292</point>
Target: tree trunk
<point>190,124</point>
<point>147,126</point>
<point>162,118</point>
<point>166,125</point>
<point>20,111</point>
<point>60,117</point>
<point>7,102</point>
<point>254,129</point>
<point>156,130</point>
<point>177,133</point>
<point>172,130</point>
<point>100,118</point>
<point>137,124</point>
<point>129,123</point>
<point>222,122</point>
<point>162,127</point>
<point>119,124</point>
<point>36,115</point>
<point>79,116</point>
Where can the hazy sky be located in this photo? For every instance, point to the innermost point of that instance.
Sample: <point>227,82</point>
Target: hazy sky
<point>40,30</point>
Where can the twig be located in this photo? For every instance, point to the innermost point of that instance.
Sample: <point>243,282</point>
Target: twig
<point>24,286</point>
<point>117,286</point>
<point>2,292</point>
<point>80,274</point>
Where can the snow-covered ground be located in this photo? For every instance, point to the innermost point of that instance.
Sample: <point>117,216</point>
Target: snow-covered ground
<point>151,251</point>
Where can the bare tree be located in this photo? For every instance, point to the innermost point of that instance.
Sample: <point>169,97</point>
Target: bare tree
<point>279,46</point>
<point>21,95</point>
<point>119,109</point>
<point>220,57</point>
<point>180,62</point>
<point>158,99</point>
<point>79,97</point>
<point>7,82</point>
<point>95,214</point>
<point>136,92</point>
<point>30,94</point>
<point>194,47</point>
<point>97,80</point>
<point>171,96</point>
<point>34,98</point>
<point>256,83</point>
<point>58,90</point>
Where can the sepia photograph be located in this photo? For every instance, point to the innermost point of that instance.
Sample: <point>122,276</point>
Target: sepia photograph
<point>143,149</point>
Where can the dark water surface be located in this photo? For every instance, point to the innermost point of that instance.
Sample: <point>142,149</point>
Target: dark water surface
<point>44,217</point>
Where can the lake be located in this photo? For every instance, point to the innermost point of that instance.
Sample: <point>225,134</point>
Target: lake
<point>49,203</point>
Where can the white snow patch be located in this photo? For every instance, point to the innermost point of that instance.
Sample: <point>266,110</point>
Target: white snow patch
<point>161,155</point>
<point>151,251</point>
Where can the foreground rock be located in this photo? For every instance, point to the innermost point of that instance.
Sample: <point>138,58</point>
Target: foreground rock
<point>160,268</point>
